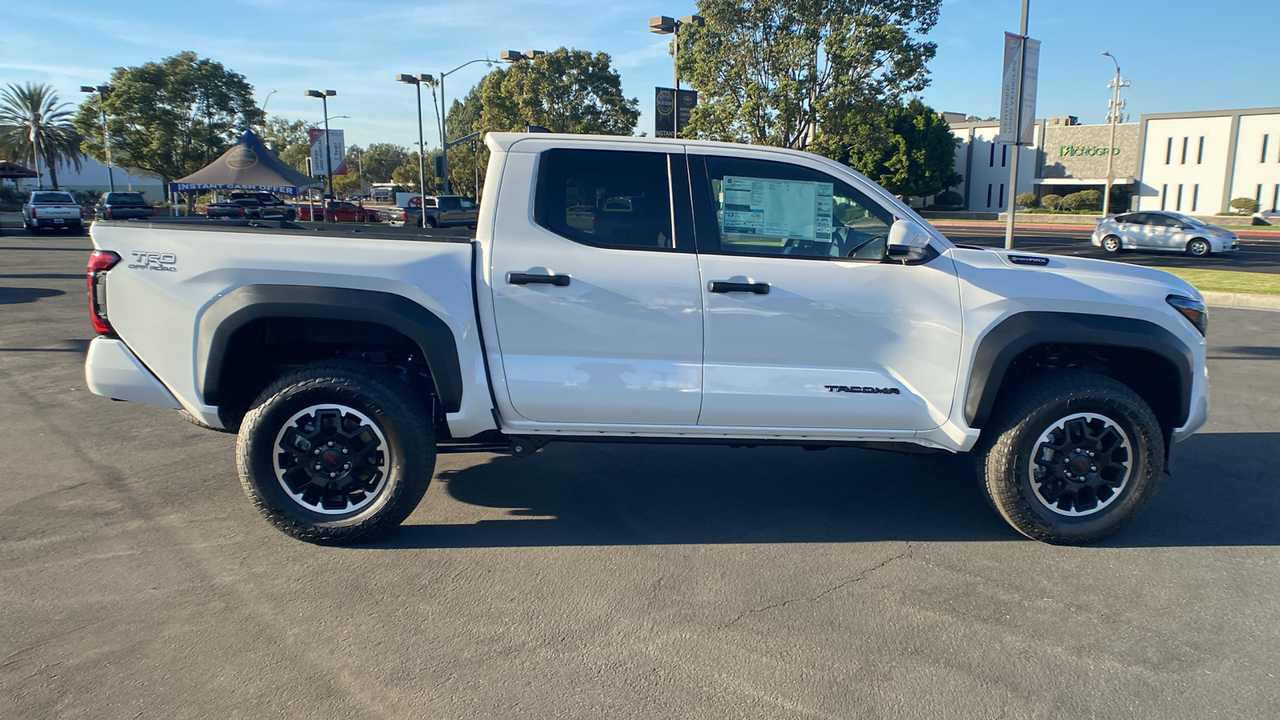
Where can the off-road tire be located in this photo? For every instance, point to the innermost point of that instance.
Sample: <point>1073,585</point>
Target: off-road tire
<point>384,409</point>
<point>1017,429</point>
<point>1199,248</point>
<point>1112,244</point>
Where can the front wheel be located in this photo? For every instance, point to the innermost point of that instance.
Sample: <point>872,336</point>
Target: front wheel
<point>1073,457</point>
<point>1198,248</point>
<point>431,222</point>
<point>336,452</point>
<point>1111,244</point>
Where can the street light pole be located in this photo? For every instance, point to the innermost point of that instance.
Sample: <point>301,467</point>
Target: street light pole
<point>443,114</point>
<point>1017,134</point>
<point>1111,146</point>
<point>328,154</point>
<point>416,81</point>
<point>103,91</point>
<point>663,25</point>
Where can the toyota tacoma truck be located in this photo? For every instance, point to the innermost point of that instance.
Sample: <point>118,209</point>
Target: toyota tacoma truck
<point>52,210</point>
<point>649,290</point>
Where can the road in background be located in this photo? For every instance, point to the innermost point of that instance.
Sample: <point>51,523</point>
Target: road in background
<point>612,580</point>
<point>1259,251</point>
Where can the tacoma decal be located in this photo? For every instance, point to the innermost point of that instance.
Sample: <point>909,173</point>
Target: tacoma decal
<point>866,390</point>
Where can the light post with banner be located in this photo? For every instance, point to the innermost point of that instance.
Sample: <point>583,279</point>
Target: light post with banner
<point>678,103</point>
<point>324,96</point>
<point>1018,106</point>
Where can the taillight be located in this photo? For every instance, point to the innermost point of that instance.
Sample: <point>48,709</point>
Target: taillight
<point>100,261</point>
<point>111,213</point>
<point>34,213</point>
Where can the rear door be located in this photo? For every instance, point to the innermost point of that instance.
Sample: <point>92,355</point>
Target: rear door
<point>598,322</point>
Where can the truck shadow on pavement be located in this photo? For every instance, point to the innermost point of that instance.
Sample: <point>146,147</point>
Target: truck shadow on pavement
<point>16,295</point>
<point>1222,492</point>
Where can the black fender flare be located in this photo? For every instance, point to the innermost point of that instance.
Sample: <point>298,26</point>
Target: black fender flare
<point>1023,331</point>
<point>254,302</point>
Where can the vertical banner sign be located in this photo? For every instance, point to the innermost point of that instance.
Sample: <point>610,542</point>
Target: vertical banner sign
<point>337,150</point>
<point>1009,105</point>
<point>686,101</point>
<point>664,106</point>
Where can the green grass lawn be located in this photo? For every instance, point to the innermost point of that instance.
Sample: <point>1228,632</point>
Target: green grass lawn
<point>1229,280</point>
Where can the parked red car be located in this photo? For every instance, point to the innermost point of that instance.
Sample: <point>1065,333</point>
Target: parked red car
<point>344,211</point>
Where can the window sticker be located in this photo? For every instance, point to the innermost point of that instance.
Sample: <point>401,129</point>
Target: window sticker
<point>789,209</point>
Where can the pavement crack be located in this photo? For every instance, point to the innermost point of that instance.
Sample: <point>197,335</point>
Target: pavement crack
<point>906,553</point>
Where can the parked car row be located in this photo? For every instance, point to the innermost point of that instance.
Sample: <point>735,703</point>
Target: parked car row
<point>438,211</point>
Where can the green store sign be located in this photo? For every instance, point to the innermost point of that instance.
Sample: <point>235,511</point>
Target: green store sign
<point>1065,150</point>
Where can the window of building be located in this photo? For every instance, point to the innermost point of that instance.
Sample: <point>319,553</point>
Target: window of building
<point>1164,193</point>
<point>1168,151</point>
<point>1275,199</point>
<point>992,161</point>
<point>1195,196</point>
<point>1265,138</point>
<point>990,187</point>
<point>1004,154</point>
<point>1001,203</point>
<point>1200,152</point>
<point>1257,196</point>
<point>1184,150</point>
<point>1178,206</point>
<point>764,208</point>
<point>607,198</point>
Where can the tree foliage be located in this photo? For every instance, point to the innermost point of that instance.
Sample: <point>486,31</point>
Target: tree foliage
<point>1244,205</point>
<point>35,124</point>
<point>382,159</point>
<point>171,117</point>
<point>1027,200</point>
<point>570,91</point>
<point>468,160</point>
<point>806,74</point>
<point>909,150</point>
<point>288,139</point>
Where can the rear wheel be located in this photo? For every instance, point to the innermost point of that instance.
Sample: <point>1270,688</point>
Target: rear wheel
<point>1111,244</point>
<point>1199,248</point>
<point>1072,457</point>
<point>336,452</point>
<point>431,222</point>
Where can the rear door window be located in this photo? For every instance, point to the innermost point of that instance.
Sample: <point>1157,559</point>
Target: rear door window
<point>608,198</point>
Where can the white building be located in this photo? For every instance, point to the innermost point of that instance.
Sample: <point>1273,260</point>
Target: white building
<point>93,176</point>
<point>1193,162</point>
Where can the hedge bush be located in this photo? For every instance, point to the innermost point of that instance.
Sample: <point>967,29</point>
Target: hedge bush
<point>1245,205</point>
<point>1052,201</point>
<point>1028,200</point>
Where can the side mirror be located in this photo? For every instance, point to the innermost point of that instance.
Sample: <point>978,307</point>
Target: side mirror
<point>908,241</point>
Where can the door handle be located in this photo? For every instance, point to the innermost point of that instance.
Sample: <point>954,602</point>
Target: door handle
<point>517,278</point>
<point>724,286</point>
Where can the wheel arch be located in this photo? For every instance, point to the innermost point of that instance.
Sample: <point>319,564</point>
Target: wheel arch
<point>358,316</point>
<point>1141,354</point>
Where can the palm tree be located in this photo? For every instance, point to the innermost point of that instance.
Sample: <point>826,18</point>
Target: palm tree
<point>35,125</point>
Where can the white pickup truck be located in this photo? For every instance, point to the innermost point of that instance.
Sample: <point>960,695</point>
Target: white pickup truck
<point>52,210</point>
<point>647,290</point>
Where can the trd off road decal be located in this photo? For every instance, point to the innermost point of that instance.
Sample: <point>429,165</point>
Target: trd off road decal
<point>162,262</point>
<point>860,389</point>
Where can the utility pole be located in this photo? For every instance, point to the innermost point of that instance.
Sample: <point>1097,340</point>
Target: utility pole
<point>1111,146</point>
<point>1017,133</point>
<point>103,91</point>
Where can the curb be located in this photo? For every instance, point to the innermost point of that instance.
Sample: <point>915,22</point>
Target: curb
<point>1250,301</point>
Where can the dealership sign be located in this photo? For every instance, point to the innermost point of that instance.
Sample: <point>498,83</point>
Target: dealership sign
<point>335,146</point>
<point>1065,150</point>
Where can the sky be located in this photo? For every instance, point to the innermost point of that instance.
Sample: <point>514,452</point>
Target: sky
<point>1179,55</point>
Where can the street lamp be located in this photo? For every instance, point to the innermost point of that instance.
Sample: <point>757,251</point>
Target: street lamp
<point>104,91</point>
<point>1111,148</point>
<point>324,96</point>
<point>663,25</point>
<point>416,81</point>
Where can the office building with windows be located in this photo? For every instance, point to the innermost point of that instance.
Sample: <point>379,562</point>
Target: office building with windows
<point>1191,162</point>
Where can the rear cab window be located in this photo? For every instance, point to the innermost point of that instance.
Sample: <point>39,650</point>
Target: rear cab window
<point>125,198</point>
<point>610,198</point>
<point>51,198</point>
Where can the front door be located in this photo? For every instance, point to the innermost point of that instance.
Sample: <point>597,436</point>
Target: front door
<point>597,309</point>
<point>806,325</point>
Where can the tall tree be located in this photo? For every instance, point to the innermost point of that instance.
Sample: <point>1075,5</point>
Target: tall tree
<point>911,151</point>
<point>804,74</point>
<point>288,140</point>
<point>382,159</point>
<point>571,91</point>
<point>171,117</point>
<point>36,127</point>
<point>467,161</point>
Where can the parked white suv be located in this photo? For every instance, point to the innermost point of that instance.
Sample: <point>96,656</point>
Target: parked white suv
<point>650,290</point>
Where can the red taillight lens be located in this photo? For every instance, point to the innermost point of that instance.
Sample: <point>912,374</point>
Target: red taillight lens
<point>100,261</point>
<point>34,213</point>
<point>111,213</point>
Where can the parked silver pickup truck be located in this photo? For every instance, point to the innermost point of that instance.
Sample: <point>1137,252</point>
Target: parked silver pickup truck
<point>52,210</point>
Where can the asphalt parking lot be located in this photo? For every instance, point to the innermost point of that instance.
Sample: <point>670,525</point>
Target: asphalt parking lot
<point>610,580</point>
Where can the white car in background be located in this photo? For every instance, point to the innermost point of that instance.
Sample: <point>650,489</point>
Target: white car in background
<point>1161,230</point>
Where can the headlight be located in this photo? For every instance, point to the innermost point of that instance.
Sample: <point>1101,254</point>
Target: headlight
<point>1193,310</point>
